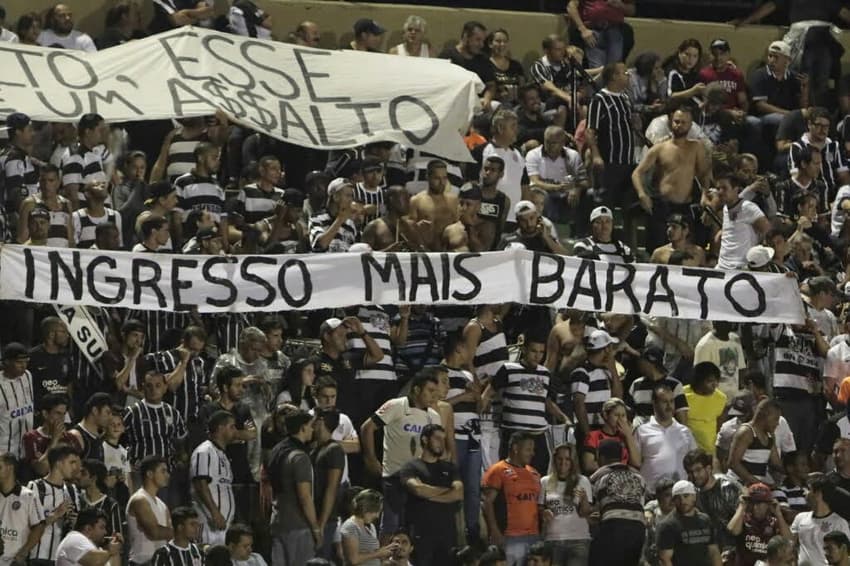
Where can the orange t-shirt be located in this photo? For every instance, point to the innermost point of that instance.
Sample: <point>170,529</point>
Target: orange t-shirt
<point>516,504</point>
<point>844,391</point>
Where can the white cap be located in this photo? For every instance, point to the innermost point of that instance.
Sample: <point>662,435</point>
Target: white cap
<point>684,487</point>
<point>515,246</point>
<point>329,325</point>
<point>524,207</point>
<point>601,212</point>
<point>338,184</point>
<point>360,248</point>
<point>599,339</point>
<point>759,256</point>
<point>780,47</point>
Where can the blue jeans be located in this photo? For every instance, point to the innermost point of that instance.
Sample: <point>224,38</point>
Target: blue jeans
<point>609,47</point>
<point>469,465</point>
<point>516,548</point>
<point>570,552</point>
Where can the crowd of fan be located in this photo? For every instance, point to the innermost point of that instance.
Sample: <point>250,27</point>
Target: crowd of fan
<point>553,437</point>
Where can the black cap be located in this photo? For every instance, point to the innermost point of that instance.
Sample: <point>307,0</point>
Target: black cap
<point>720,44</point>
<point>159,190</point>
<point>371,164</point>
<point>366,25</point>
<point>470,191</point>
<point>293,198</point>
<point>15,351</point>
<point>17,121</point>
<point>207,233</point>
<point>654,355</point>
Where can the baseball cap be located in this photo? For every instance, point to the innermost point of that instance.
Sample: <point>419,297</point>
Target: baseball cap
<point>679,220</point>
<point>721,44</point>
<point>742,404</point>
<point>360,248</point>
<point>207,233</point>
<point>601,212</point>
<point>780,47</point>
<point>39,212</point>
<point>371,164</point>
<point>338,183</point>
<point>470,191</point>
<point>759,493</point>
<point>599,339</point>
<point>366,25</point>
<point>17,121</point>
<point>15,351</point>
<point>759,256</point>
<point>823,284</point>
<point>524,207</point>
<point>654,355</point>
<point>293,198</point>
<point>684,487</point>
<point>329,325</point>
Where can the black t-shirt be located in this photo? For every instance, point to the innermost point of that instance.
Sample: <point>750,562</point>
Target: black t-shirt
<point>479,64</point>
<point>49,372</point>
<point>329,457</point>
<point>237,451</point>
<point>163,8</point>
<point>424,517</point>
<point>782,93</point>
<point>688,537</point>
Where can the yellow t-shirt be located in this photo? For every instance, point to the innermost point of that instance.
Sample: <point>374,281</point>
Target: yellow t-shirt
<point>703,411</point>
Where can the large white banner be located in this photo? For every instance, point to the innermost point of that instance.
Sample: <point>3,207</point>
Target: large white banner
<point>312,281</point>
<point>310,97</point>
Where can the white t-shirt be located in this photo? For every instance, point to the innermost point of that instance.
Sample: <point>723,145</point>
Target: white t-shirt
<point>554,170</point>
<point>73,547</point>
<point>19,512</point>
<point>75,40</point>
<point>7,35</point>
<point>810,531</point>
<point>514,176</point>
<point>838,214</point>
<point>837,365</point>
<point>728,355</point>
<point>738,235</point>
<point>566,525</point>
<point>402,425</point>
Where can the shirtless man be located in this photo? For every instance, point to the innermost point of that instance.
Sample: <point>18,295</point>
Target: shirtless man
<point>565,347</point>
<point>436,204</point>
<point>465,235</point>
<point>494,203</point>
<point>674,164</point>
<point>395,231</point>
<point>678,232</point>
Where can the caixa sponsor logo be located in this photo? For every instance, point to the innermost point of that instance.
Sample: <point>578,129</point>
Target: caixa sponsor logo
<point>412,428</point>
<point>7,532</point>
<point>21,411</point>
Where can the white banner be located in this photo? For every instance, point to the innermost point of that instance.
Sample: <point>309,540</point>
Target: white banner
<point>84,332</point>
<point>313,281</point>
<point>310,97</point>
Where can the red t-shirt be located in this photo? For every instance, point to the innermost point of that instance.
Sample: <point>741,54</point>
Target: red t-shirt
<point>516,504</point>
<point>596,12</point>
<point>36,444</point>
<point>730,78</point>
<point>595,438</point>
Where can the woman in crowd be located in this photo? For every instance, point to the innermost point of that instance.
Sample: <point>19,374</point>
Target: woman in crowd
<point>616,425</point>
<point>508,72</point>
<point>683,71</point>
<point>360,546</point>
<point>29,26</point>
<point>565,503</point>
<point>414,43</point>
<point>647,86</point>
<point>298,386</point>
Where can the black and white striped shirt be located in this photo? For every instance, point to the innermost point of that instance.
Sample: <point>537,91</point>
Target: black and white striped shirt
<point>152,429</point>
<point>376,323</point>
<point>524,392</point>
<point>640,393</point>
<point>110,508</point>
<point>594,383</point>
<point>491,353</point>
<point>612,252</point>
<point>254,203</point>
<point>756,457</point>
<point>187,399</point>
<point>797,369</point>
<point>173,555</point>
<point>610,116</point>
<point>345,237</point>
<point>465,412</point>
<point>791,496</point>
<point>199,193</point>
<point>832,162</point>
<point>370,196</point>
<point>16,412</point>
<point>209,462</point>
<point>83,166</point>
<point>57,231</point>
<point>85,226</point>
<point>157,323</point>
<point>181,155</point>
<point>19,176</point>
<point>562,76</point>
<point>50,496</point>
